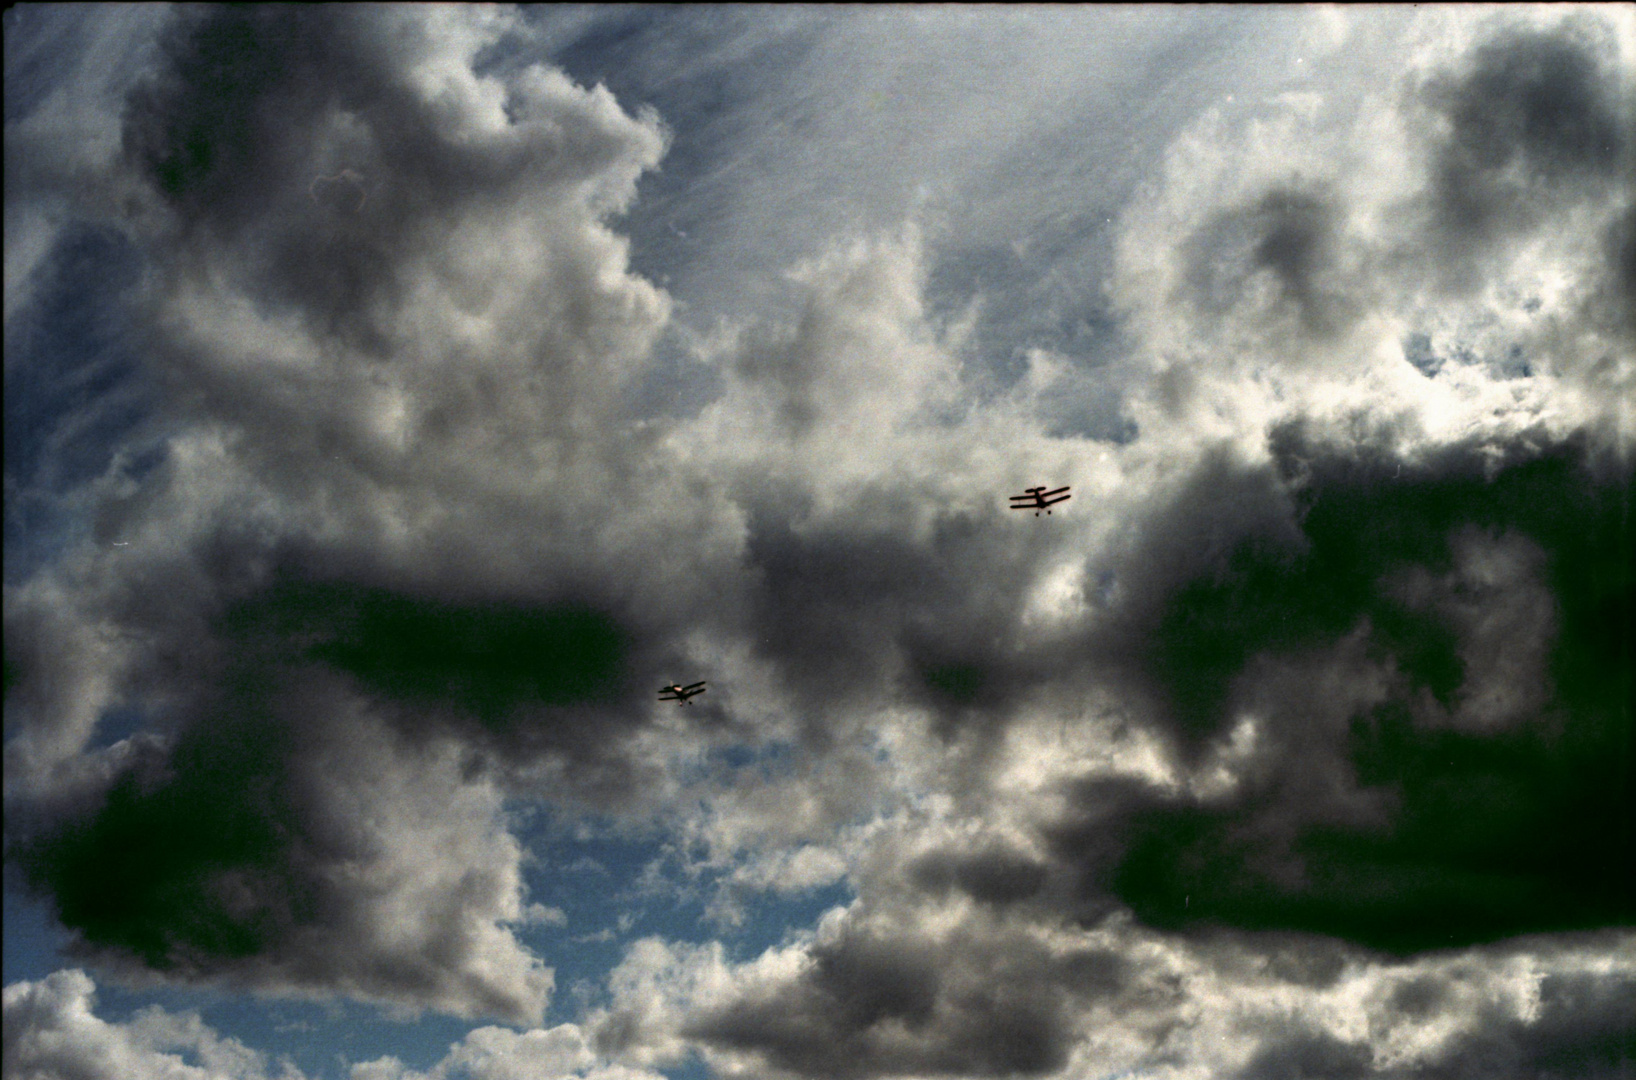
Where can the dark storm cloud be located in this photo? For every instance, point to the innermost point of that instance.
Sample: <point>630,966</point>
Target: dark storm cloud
<point>238,855</point>
<point>230,856</point>
<point>1585,1028</point>
<point>210,116</point>
<point>1308,1057</point>
<point>191,870</point>
<point>1534,122</point>
<point>249,127</point>
<point>857,607</point>
<point>834,603</point>
<point>230,129</point>
<point>993,875</point>
<point>878,1006</point>
<point>1222,506</point>
<point>859,604</point>
<point>411,558</point>
<point>487,660</point>
<point>1399,796</point>
<point>322,814</point>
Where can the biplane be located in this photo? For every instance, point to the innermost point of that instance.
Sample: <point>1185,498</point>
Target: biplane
<point>679,693</point>
<point>1037,499</point>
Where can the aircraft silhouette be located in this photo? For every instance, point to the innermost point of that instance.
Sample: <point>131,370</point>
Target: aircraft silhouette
<point>679,693</point>
<point>1037,499</point>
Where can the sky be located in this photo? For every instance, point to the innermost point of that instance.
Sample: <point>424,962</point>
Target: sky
<point>397,397</point>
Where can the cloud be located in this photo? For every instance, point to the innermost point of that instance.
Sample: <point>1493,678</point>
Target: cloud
<point>319,354</point>
<point>1296,250</point>
<point>302,858</point>
<point>491,1053</point>
<point>1389,763</point>
<point>1530,123</point>
<point>868,1005</point>
<point>1353,752</point>
<point>51,1031</point>
<point>1310,1055</point>
<point>994,876</point>
<point>65,78</point>
<point>1121,1000</point>
<point>1288,233</point>
<point>1273,754</point>
<point>1583,1028</point>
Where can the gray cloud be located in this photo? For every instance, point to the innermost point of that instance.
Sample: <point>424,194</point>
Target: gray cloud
<point>1583,1028</point>
<point>1611,304</point>
<point>278,676</point>
<point>1304,1056</point>
<point>1313,686</point>
<point>1534,122</point>
<point>869,1006</point>
<point>1289,234</point>
<point>993,876</point>
<point>1344,770</point>
<point>239,858</point>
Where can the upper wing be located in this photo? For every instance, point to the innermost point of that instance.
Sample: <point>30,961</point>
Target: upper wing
<point>1058,491</point>
<point>696,687</point>
<point>1053,502</point>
